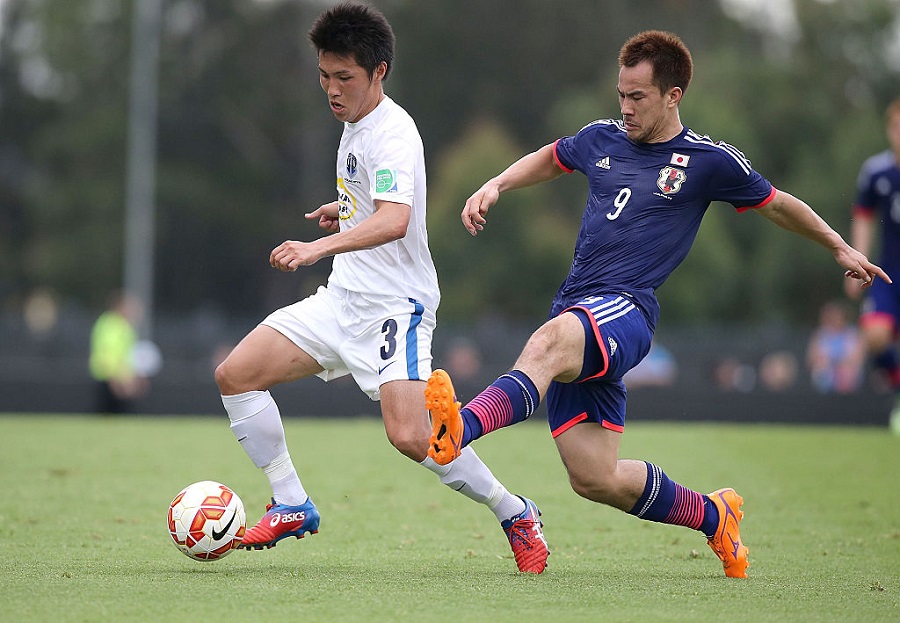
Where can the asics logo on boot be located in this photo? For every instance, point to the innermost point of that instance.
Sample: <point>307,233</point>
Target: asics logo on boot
<point>287,518</point>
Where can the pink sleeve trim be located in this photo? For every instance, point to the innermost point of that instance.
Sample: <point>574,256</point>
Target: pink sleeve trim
<point>557,160</point>
<point>761,203</point>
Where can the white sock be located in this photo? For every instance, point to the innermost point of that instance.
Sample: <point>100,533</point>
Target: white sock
<point>256,422</point>
<point>286,486</point>
<point>470,476</point>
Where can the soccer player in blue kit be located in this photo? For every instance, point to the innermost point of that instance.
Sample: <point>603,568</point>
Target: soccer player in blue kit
<point>650,182</point>
<point>878,195</point>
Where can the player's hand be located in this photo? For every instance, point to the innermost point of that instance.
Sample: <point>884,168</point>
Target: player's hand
<point>328,217</point>
<point>477,206</point>
<point>291,255</point>
<point>861,270</point>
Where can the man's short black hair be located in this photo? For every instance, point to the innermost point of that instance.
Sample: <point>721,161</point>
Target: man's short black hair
<point>358,31</point>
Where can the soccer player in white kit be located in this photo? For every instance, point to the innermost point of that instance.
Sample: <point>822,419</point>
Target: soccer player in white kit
<point>375,317</point>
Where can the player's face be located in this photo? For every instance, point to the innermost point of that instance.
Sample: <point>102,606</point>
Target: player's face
<point>352,94</point>
<point>649,116</point>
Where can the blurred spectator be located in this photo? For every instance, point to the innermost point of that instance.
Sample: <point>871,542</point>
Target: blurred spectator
<point>113,340</point>
<point>41,313</point>
<point>778,371</point>
<point>731,375</point>
<point>463,360</point>
<point>658,368</point>
<point>836,353</point>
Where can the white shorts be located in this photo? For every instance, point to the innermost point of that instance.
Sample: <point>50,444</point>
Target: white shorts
<point>373,337</point>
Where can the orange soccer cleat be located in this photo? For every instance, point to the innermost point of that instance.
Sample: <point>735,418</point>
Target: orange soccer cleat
<point>447,425</point>
<point>726,542</point>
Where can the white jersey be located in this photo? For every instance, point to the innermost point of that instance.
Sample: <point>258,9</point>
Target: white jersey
<point>382,157</point>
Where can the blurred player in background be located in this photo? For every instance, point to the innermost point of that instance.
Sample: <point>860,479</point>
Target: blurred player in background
<point>114,337</point>
<point>651,180</point>
<point>878,198</point>
<point>375,318</point>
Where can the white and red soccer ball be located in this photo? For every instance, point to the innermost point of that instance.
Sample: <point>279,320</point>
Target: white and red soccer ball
<point>207,520</point>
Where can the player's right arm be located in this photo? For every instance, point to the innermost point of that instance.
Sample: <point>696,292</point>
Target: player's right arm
<point>536,167</point>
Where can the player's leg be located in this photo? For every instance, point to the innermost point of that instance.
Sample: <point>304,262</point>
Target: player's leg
<point>555,350</point>
<point>587,419</point>
<point>269,355</point>
<point>262,359</point>
<point>590,454</point>
<point>878,324</point>
<point>878,332</point>
<point>406,424</point>
<point>401,357</point>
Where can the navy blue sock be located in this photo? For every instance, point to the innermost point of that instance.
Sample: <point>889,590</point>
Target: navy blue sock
<point>666,501</point>
<point>510,399</point>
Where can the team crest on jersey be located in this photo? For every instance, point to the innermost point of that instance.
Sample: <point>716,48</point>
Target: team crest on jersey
<point>351,165</point>
<point>670,180</point>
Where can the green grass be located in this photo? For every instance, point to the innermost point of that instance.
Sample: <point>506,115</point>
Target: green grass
<point>83,537</point>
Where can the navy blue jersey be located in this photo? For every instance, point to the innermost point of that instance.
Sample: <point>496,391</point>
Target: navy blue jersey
<point>878,195</point>
<point>644,207</point>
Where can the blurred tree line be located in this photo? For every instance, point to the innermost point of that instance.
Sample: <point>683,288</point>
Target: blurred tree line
<point>246,144</point>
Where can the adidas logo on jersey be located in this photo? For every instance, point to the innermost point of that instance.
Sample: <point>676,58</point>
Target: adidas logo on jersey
<point>612,346</point>
<point>603,163</point>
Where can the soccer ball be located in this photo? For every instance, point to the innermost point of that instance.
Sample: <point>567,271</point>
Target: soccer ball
<point>207,520</point>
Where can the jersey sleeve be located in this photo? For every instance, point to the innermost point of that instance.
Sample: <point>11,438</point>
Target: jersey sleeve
<point>738,183</point>
<point>393,166</point>
<point>565,154</point>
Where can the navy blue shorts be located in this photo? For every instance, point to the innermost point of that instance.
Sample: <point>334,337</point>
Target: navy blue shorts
<point>882,303</point>
<point>617,337</point>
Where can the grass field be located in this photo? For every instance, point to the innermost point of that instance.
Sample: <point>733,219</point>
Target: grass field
<point>83,536</point>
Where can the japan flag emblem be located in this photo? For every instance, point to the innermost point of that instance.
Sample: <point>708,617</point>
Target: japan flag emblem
<point>679,160</point>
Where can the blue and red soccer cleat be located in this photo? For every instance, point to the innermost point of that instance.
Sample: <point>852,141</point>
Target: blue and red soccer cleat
<point>280,522</point>
<point>527,539</point>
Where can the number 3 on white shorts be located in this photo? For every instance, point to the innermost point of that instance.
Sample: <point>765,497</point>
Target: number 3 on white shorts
<point>389,329</point>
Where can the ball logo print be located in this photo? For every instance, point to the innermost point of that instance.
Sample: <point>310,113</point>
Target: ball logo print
<point>206,520</point>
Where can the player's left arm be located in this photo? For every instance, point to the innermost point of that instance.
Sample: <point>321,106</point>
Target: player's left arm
<point>793,214</point>
<point>389,222</point>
